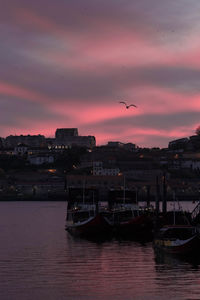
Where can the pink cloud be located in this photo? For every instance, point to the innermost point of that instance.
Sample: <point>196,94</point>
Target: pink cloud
<point>108,49</point>
<point>16,91</point>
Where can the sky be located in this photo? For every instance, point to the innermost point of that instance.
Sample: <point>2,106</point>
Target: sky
<point>68,63</point>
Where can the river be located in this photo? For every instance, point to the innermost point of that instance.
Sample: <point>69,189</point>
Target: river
<point>40,260</point>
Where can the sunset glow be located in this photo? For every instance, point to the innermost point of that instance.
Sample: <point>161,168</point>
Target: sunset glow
<point>68,64</point>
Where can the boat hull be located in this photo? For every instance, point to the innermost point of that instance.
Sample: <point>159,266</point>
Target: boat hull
<point>139,227</point>
<point>181,247</point>
<point>96,227</point>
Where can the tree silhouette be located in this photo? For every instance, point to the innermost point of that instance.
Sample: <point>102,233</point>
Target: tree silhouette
<point>198,130</point>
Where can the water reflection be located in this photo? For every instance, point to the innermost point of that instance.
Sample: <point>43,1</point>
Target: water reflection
<point>40,260</point>
<point>110,269</point>
<point>174,260</point>
<point>179,274</point>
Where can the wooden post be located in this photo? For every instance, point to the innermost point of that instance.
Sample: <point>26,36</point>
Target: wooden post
<point>148,195</point>
<point>164,203</point>
<point>157,196</point>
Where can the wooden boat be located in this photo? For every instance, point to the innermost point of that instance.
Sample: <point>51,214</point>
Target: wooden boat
<point>177,234</point>
<point>178,217</point>
<point>128,219</point>
<point>178,239</point>
<point>85,218</point>
<point>84,221</point>
<point>132,222</point>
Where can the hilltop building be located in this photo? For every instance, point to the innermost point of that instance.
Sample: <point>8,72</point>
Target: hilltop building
<point>189,144</point>
<point>119,145</point>
<point>178,144</point>
<point>195,142</point>
<point>28,140</point>
<point>63,133</point>
<point>69,137</point>
<point>64,138</point>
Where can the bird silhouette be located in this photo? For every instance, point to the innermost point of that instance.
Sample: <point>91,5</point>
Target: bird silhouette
<point>127,106</point>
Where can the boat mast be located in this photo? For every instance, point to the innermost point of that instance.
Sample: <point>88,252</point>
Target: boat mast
<point>174,212</point>
<point>124,193</point>
<point>84,190</point>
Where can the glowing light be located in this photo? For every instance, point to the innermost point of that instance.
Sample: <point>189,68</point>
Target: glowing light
<point>52,170</point>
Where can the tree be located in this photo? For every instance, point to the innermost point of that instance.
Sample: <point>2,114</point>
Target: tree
<point>198,130</point>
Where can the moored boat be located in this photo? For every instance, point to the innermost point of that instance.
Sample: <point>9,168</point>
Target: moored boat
<point>178,239</point>
<point>128,218</point>
<point>133,222</point>
<point>85,218</point>
<point>84,221</point>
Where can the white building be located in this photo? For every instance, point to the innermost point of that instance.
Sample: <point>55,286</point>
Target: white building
<point>99,170</point>
<point>20,149</point>
<point>39,160</point>
<point>191,164</point>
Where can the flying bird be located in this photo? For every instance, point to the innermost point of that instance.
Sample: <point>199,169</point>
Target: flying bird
<point>127,106</point>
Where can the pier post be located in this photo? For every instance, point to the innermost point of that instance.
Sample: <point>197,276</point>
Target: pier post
<point>156,224</point>
<point>157,196</point>
<point>148,195</point>
<point>164,202</point>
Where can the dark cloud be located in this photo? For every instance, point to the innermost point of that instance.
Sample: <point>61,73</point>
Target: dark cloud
<point>18,42</point>
<point>18,112</point>
<point>77,13</point>
<point>133,129</point>
<point>166,121</point>
<point>105,84</point>
<point>181,79</point>
<point>46,49</point>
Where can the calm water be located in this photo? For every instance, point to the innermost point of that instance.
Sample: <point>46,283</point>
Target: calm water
<point>39,260</point>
